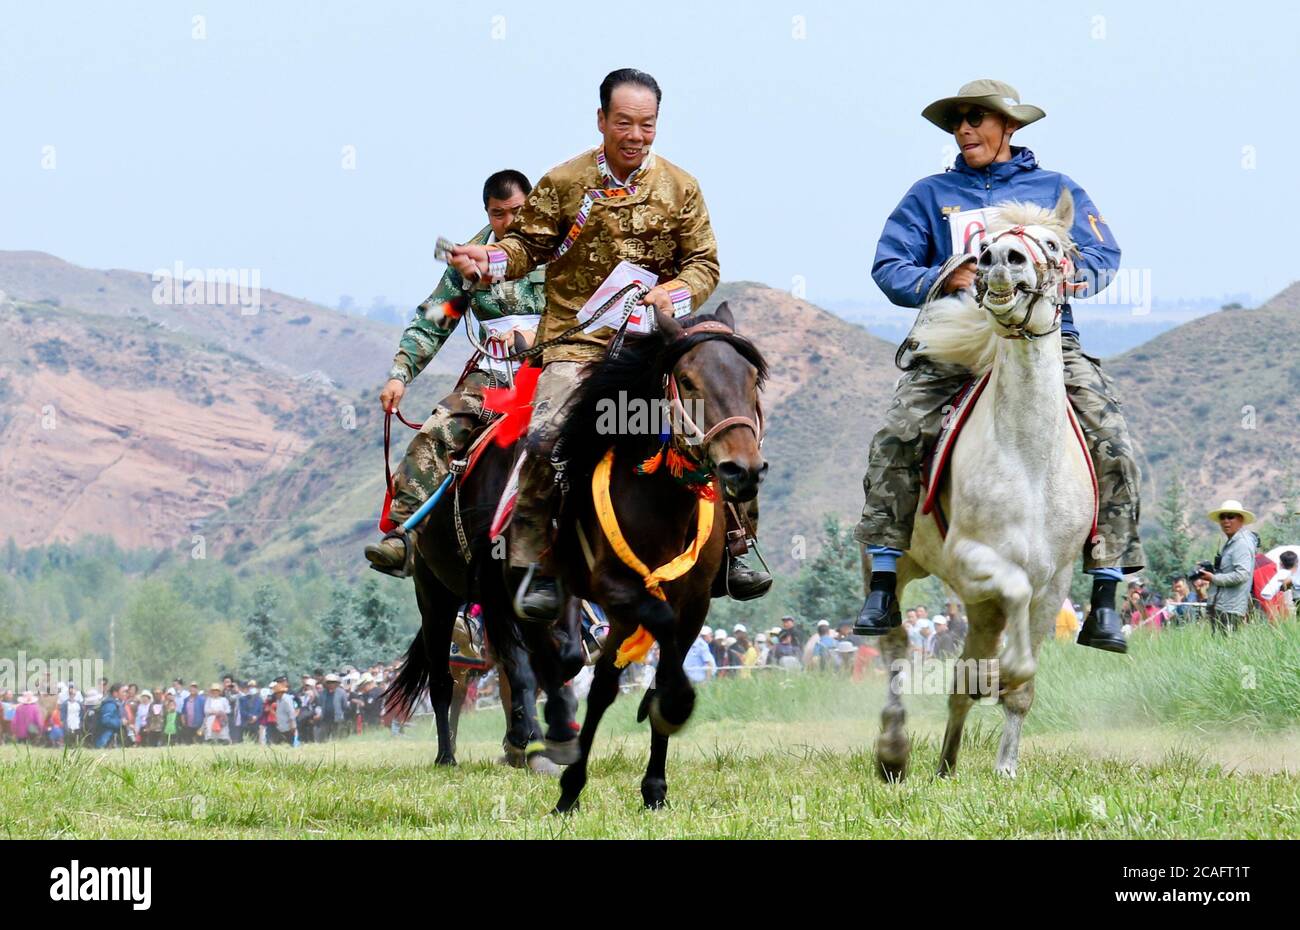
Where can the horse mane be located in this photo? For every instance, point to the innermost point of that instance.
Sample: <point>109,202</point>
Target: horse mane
<point>637,374</point>
<point>956,330</point>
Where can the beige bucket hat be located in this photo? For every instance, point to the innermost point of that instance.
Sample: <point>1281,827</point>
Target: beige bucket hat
<point>1231,506</point>
<point>987,93</point>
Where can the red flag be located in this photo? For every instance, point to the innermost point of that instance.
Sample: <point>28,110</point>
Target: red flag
<point>516,403</point>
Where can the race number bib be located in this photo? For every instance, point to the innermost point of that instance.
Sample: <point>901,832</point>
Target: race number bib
<point>505,327</point>
<point>969,228</point>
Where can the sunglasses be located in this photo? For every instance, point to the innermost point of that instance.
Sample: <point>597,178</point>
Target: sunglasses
<point>974,116</point>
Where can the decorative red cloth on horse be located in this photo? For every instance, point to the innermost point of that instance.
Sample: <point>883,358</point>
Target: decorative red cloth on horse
<point>936,463</point>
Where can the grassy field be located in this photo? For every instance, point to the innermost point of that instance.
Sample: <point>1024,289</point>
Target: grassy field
<point>1187,736</point>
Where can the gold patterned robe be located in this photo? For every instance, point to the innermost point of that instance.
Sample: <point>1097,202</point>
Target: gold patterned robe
<point>657,220</point>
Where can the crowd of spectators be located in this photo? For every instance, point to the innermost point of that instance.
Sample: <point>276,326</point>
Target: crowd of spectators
<point>828,647</point>
<point>322,706</point>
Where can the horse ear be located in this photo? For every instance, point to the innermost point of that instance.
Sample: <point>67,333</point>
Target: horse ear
<point>723,315</point>
<point>665,323</point>
<point>1064,211</point>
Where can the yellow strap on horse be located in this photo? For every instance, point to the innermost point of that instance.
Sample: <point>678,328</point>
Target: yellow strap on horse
<point>636,646</point>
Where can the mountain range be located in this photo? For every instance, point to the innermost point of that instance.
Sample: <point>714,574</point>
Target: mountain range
<point>258,435</point>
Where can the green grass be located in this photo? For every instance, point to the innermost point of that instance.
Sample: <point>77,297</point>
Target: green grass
<point>1166,742</point>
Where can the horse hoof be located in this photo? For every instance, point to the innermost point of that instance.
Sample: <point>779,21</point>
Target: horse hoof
<point>514,758</point>
<point>892,753</point>
<point>538,763</point>
<point>654,794</point>
<point>565,806</point>
<point>448,761</point>
<point>891,770</point>
<point>667,720</point>
<point>562,752</point>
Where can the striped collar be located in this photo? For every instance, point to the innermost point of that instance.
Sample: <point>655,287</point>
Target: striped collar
<point>608,174</point>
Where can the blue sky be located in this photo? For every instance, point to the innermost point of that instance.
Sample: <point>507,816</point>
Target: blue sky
<point>227,151</point>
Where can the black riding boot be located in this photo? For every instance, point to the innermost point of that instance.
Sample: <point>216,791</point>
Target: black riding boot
<point>880,613</point>
<point>1103,628</point>
<point>743,582</point>
<point>538,598</point>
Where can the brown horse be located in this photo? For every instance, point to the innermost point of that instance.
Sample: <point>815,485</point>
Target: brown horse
<point>701,365</point>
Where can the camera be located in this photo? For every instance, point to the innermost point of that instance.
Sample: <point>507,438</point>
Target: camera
<point>1202,566</point>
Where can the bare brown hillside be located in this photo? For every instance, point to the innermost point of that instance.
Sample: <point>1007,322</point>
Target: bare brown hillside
<point>1216,399</point>
<point>285,334</point>
<point>117,426</point>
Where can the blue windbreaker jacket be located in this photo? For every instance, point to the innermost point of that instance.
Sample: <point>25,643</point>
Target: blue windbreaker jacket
<point>916,240</point>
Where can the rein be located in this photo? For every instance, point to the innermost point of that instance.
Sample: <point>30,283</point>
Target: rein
<point>388,428</point>
<point>633,292</point>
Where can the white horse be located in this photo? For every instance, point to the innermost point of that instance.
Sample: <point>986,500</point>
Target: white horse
<point>1019,489</point>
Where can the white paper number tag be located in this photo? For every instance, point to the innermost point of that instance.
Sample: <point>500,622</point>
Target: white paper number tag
<point>969,228</point>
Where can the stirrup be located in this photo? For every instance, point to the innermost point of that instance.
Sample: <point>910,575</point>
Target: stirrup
<point>522,589</point>
<point>408,566</point>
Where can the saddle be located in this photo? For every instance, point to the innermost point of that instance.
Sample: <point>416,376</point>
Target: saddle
<point>936,461</point>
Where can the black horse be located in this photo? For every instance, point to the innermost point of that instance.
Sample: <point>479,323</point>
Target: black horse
<point>528,654</point>
<point>717,373</point>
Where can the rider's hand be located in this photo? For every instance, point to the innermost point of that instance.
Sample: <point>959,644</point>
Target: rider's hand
<point>659,299</point>
<point>391,395</point>
<point>470,260</point>
<point>961,279</point>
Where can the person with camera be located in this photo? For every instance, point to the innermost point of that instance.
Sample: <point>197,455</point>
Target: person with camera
<point>1233,568</point>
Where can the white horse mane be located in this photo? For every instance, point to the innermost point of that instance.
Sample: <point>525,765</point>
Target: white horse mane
<point>956,330</point>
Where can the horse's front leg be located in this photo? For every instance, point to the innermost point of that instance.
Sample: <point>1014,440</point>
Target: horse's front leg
<point>523,740</point>
<point>1015,705</point>
<point>981,643</point>
<point>672,699</point>
<point>654,784</point>
<point>892,745</point>
<point>604,688</point>
<point>987,576</point>
<point>557,657</point>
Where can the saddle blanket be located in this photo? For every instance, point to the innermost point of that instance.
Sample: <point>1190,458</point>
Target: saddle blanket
<point>932,470</point>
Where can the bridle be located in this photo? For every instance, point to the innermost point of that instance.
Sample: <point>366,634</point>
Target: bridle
<point>1052,277</point>
<point>694,436</point>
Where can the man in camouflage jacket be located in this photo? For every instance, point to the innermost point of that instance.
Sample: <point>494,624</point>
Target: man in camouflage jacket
<point>447,433</point>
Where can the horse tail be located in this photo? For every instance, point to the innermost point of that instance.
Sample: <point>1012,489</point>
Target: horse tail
<point>411,683</point>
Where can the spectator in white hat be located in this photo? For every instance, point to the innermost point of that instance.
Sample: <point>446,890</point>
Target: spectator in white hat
<point>216,716</point>
<point>1234,566</point>
<point>699,664</point>
<point>741,654</point>
<point>761,648</point>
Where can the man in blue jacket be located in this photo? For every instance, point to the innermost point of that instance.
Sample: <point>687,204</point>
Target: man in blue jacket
<point>110,719</point>
<point>916,260</point>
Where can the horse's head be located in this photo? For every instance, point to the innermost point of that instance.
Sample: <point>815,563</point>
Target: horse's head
<point>1024,266</point>
<point>714,381</point>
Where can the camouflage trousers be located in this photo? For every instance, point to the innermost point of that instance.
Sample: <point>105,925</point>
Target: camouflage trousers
<point>530,524</point>
<point>892,484</point>
<point>445,437</point>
